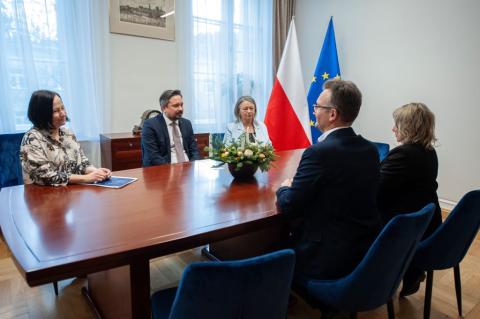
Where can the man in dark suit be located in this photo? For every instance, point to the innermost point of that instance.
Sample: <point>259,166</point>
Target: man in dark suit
<point>168,138</point>
<point>334,190</point>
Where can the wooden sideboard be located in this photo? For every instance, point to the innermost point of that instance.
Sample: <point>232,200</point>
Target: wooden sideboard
<point>124,150</point>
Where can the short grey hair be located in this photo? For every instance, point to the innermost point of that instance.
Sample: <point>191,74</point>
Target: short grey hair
<point>245,98</point>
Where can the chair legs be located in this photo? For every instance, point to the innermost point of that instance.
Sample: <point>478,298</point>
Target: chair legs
<point>390,309</point>
<point>428,295</point>
<point>428,292</point>
<point>458,288</point>
<point>55,287</point>
<point>353,315</point>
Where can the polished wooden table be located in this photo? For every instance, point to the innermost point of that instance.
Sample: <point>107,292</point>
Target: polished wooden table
<point>61,232</point>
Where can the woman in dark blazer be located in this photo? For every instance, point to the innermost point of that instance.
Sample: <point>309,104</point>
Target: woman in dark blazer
<point>408,175</point>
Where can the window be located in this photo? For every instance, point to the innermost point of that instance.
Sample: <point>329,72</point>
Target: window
<point>58,46</point>
<point>31,31</point>
<point>231,56</point>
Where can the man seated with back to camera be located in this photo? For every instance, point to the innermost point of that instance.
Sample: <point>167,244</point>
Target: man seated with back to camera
<point>334,190</point>
<point>168,137</point>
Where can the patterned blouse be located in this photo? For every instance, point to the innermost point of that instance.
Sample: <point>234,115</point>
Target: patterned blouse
<point>46,161</point>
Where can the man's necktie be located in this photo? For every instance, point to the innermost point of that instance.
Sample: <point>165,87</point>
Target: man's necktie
<point>178,143</point>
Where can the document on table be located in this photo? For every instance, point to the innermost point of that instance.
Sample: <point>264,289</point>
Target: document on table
<point>114,182</point>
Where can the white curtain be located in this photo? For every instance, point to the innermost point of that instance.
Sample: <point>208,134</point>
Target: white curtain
<point>59,45</point>
<point>225,49</point>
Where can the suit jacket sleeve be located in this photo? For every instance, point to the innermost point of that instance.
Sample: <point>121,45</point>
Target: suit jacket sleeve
<point>264,137</point>
<point>152,154</point>
<point>310,177</point>
<point>393,170</point>
<point>228,134</point>
<point>191,143</point>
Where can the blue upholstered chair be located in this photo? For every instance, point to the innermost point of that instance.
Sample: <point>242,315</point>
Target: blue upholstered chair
<point>216,138</point>
<point>447,246</point>
<point>10,167</point>
<point>383,149</point>
<point>376,278</point>
<point>252,288</point>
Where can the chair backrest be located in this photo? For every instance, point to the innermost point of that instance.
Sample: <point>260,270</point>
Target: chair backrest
<point>375,279</point>
<point>216,138</point>
<point>449,243</point>
<point>383,149</point>
<point>10,167</point>
<point>252,288</point>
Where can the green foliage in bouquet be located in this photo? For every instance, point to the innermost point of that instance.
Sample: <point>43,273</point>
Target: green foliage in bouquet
<point>241,152</point>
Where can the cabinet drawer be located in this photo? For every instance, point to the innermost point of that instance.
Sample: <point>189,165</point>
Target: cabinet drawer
<point>127,159</point>
<point>128,156</point>
<point>126,145</point>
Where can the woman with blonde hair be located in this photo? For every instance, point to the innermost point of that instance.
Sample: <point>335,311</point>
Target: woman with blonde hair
<point>408,174</point>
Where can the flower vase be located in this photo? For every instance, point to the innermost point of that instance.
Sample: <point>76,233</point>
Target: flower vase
<point>245,172</point>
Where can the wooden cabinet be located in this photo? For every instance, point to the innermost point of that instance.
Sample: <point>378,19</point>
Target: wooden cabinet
<point>203,140</point>
<point>121,151</point>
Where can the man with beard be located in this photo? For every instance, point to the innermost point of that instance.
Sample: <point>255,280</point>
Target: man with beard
<point>168,138</point>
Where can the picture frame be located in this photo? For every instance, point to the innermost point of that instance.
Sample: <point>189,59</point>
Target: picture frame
<point>144,18</point>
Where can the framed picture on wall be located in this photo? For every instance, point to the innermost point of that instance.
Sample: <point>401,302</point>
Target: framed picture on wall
<point>144,18</point>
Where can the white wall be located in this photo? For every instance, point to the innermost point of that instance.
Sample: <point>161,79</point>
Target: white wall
<point>403,51</point>
<point>142,69</point>
<point>396,51</point>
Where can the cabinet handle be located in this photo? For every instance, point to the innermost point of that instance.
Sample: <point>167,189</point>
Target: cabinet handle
<point>130,145</point>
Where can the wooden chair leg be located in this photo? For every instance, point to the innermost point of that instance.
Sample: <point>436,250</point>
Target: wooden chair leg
<point>390,309</point>
<point>55,287</point>
<point>458,288</point>
<point>428,295</point>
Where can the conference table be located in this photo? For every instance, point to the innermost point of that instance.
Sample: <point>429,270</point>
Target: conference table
<point>110,235</point>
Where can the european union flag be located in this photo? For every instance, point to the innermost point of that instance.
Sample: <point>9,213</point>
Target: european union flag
<point>327,68</point>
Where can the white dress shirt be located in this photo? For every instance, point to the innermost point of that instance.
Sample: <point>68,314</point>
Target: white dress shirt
<point>326,133</point>
<point>173,154</point>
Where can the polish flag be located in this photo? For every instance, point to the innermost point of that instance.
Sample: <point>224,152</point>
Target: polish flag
<point>287,117</point>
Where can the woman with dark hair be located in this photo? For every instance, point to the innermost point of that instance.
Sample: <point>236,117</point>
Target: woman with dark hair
<point>408,175</point>
<point>246,125</point>
<point>50,153</point>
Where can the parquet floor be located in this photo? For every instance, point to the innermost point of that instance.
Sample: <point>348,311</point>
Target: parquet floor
<point>18,300</point>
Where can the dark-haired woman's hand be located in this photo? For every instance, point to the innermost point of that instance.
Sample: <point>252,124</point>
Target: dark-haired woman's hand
<point>97,175</point>
<point>107,172</point>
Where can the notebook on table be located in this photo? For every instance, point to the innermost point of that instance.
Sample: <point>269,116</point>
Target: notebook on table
<point>114,182</point>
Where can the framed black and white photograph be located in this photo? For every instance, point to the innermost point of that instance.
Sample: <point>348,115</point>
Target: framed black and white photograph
<point>144,18</point>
